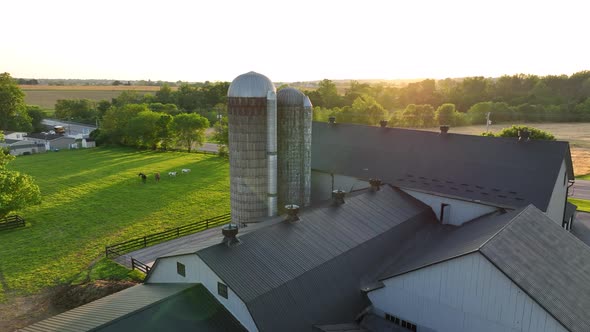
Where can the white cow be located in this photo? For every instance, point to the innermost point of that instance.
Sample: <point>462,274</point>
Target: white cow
<point>171,173</point>
<point>186,170</point>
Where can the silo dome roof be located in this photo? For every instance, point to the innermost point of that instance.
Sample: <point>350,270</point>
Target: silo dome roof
<point>250,85</point>
<point>290,97</point>
<point>307,102</point>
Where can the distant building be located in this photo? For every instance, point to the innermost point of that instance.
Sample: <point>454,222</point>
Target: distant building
<point>51,141</point>
<point>20,147</point>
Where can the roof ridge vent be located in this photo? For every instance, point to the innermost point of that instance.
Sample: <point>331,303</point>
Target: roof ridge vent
<point>292,212</point>
<point>375,184</point>
<point>332,120</point>
<point>229,232</point>
<point>524,135</point>
<point>338,197</point>
<point>444,129</point>
<point>383,123</point>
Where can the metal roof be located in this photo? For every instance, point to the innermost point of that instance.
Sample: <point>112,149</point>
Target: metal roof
<point>326,256</point>
<point>548,263</point>
<point>290,97</point>
<point>192,310</point>
<point>250,85</point>
<point>307,102</point>
<point>107,309</point>
<point>499,171</point>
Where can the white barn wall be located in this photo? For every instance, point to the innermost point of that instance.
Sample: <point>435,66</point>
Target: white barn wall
<point>461,211</point>
<point>197,271</point>
<point>321,184</point>
<point>462,295</point>
<point>557,201</point>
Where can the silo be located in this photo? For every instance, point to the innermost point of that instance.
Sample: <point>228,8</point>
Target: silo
<point>252,112</point>
<point>294,141</point>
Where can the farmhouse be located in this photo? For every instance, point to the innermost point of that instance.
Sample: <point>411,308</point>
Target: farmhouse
<point>406,231</point>
<point>20,147</point>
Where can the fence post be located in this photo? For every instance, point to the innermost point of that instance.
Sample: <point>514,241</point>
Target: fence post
<point>177,231</point>
<point>207,223</point>
<point>144,242</point>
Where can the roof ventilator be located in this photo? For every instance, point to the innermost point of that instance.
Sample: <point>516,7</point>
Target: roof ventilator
<point>332,120</point>
<point>524,135</point>
<point>375,184</point>
<point>292,212</point>
<point>229,232</point>
<point>383,123</point>
<point>444,129</point>
<point>338,197</point>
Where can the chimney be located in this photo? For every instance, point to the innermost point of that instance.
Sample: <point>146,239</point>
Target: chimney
<point>338,197</point>
<point>332,120</point>
<point>444,129</point>
<point>383,123</point>
<point>375,184</point>
<point>524,135</point>
<point>229,232</point>
<point>292,212</point>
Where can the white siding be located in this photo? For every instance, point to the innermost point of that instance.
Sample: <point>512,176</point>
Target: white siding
<point>198,272</point>
<point>557,201</point>
<point>321,185</point>
<point>464,294</point>
<point>460,211</point>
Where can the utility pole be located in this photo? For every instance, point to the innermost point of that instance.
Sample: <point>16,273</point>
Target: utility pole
<point>488,121</point>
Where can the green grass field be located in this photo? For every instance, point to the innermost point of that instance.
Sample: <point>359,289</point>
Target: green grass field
<point>584,177</point>
<point>582,204</point>
<point>94,197</point>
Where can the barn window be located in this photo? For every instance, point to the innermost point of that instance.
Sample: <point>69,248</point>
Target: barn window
<point>222,289</point>
<point>180,269</point>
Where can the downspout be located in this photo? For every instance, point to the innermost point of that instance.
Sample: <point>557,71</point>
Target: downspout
<point>271,151</point>
<point>567,192</point>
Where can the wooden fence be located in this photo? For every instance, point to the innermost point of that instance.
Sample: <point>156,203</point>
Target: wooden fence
<point>135,264</point>
<point>11,222</point>
<point>116,250</point>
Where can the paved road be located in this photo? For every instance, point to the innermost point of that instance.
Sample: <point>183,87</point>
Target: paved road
<point>581,227</point>
<point>580,189</point>
<point>72,128</point>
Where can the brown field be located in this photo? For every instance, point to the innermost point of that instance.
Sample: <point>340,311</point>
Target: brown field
<point>578,134</point>
<point>46,96</point>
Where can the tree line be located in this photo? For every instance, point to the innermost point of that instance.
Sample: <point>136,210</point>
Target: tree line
<point>520,97</point>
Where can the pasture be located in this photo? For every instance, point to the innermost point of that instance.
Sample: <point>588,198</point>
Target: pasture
<point>95,197</point>
<point>46,96</point>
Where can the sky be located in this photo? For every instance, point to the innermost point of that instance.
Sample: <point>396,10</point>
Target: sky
<point>290,41</point>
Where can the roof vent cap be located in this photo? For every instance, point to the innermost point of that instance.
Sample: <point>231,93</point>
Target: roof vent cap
<point>444,129</point>
<point>292,212</point>
<point>229,232</point>
<point>375,184</point>
<point>524,135</point>
<point>338,197</point>
<point>332,120</point>
<point>383,123</point>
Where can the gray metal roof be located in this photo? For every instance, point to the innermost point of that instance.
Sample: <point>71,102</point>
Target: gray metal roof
<point>290,97</point>
<point>548,263</point>
<point>551,265</point>
<point>250,85</point>
<point>307,102</point>
<point>107,309</point>
<point>192,310</point>
<point>500,171</point>
<point>327,257</point>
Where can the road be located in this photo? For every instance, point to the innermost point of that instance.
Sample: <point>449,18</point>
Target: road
<point>72,128</point>
<point>580,190</point>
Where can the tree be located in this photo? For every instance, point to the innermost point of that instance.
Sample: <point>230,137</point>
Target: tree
<point>445,114</point>
<point>189,128</point>
<point>12,101</point>
<point>328,94</point>
<point>143,129</point>
<point>221,131</point>
<point>534,133</point>
<point>165,95</point>
<point>79,110</point>
<point>37,115</point>
<point>18,190</point>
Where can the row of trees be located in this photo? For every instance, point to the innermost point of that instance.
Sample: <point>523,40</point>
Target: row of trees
<point>508,98</point>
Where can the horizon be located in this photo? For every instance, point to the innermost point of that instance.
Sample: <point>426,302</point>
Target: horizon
<point>380,40</point>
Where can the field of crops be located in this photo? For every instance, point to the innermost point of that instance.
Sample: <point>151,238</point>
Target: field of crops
<point>46,96</point>
<point>94,197</point>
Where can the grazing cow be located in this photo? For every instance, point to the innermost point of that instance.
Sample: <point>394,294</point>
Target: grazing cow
<point>186,170</point>
<point>157,176</point>
<point>171,173</point>
<point>143,177</point>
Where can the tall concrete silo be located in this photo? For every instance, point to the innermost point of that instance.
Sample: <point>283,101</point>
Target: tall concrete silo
<point>252,119</point>
<point>294,141</point>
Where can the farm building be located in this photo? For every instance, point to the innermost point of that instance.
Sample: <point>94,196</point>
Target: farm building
<point>20,147</point>
<point>406,231</point>
<point>51,141</point>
